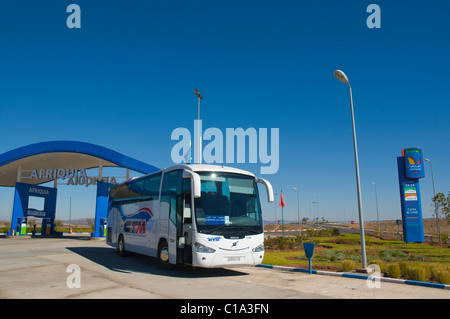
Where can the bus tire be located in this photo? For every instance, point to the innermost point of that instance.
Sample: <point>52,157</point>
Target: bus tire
<point>121,246</point>
<point>163,255</point>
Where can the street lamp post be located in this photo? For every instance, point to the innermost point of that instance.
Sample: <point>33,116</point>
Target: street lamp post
<point>434,194</point>
<point>298,211</point>
<point>314,213</point>
<point>70,215</point>
<point>376,201</point>
<point>199,147</point>
<point>344,79</point>
<point>310,210</point>
<point>318,211</point>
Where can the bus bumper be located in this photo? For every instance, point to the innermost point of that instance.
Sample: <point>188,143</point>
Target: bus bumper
<point>225,260</point>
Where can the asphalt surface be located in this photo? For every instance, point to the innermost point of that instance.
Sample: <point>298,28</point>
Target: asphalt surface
<point>43,268</point>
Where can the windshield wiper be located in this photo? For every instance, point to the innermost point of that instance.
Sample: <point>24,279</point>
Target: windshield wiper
<point>247,229</point>
<point>214,229</point>
<point>234,227</point>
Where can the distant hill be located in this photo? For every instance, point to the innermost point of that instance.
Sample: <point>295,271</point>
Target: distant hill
<point>78,221</point>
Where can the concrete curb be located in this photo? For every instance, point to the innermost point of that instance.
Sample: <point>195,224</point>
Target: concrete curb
<point>359,276</point>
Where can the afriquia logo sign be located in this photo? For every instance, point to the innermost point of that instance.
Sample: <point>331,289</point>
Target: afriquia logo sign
<point>235,143</point>
<point>74,176</point>
<point>413,158</point>
<point>410,169</point>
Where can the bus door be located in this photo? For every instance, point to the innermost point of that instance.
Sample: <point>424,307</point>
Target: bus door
<point>180,228</point>
<point>175,190</point>
<point>185,239</point>
<point>171,188</point>
<point>173,238</point>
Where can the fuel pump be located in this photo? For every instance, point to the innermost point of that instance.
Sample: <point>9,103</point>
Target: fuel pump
<point>43,226</point>
<point>103,227</point>
<point>46,226</point>
<point>48,229</point>
<point>22,226</point>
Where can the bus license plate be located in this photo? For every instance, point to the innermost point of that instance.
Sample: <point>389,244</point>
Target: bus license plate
<point>233,259</point>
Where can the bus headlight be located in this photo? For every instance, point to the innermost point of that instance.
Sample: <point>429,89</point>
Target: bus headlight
<point>258,248</point>
<point>202,248</point>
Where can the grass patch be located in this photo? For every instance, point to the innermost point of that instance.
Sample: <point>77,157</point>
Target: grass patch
<point>396,258</point>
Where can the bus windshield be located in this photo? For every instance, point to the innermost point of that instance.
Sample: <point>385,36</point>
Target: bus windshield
<point>229,205</point>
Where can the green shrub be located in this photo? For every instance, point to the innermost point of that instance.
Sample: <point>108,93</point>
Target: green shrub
<point>318,233</point>
<point>394,271</point>
<point>340,254</point>
<point>279,243</point>
<point>380,264</point>
<point>282,243</point>
<point>418,273</point>
<point>348,265</point>
<point>346,241</point>
<point>335,232</point>
<point>391,255</point>
<point>440,273</point>
<point>404,268</point>
<point>442,276</point>
<point>334,255</point>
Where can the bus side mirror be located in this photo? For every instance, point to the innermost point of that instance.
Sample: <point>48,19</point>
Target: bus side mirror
<point>196,184</point>
<point>268,187</point>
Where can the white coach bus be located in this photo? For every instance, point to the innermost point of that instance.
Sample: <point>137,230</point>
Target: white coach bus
<point>200,215</point>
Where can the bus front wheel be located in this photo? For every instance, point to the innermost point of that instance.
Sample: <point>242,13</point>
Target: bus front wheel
<point>121,246</point>
<point>163,255</point>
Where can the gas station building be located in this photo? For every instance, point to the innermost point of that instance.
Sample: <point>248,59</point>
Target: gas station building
<point>26,168</point>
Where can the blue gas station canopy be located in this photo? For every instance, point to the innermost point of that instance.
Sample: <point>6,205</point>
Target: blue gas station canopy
<point>63,154</point>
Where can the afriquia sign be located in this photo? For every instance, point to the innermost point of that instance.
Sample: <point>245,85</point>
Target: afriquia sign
<point>410,170</point>
<point>74,176</point>
<point>413,158</point>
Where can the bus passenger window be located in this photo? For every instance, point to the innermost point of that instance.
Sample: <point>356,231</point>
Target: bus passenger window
<point>173,209</point>
<point>187,211</point>
<point>187,200</point>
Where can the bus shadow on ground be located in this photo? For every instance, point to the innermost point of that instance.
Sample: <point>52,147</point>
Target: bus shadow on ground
<point>109,258</point>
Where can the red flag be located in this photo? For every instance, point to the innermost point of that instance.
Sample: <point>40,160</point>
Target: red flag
<point>282,203</point>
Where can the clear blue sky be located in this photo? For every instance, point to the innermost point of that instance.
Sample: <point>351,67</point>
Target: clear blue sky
<point>125,81</point>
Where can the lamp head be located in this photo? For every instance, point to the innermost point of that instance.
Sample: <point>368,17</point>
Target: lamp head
<point>198,94</point>
<point>341,76</point>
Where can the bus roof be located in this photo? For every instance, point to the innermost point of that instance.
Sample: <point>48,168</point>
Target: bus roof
<point>209,168</point>
<point>197,168</point>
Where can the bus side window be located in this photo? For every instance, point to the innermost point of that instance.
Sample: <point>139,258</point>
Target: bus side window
<point>187,200</point>
<point>151,187</point>
<point>173,209</point>
<point>171,185</point>
<point>187,210</point>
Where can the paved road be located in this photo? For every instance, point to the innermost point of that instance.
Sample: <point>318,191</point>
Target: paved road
<point>37,268</point>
